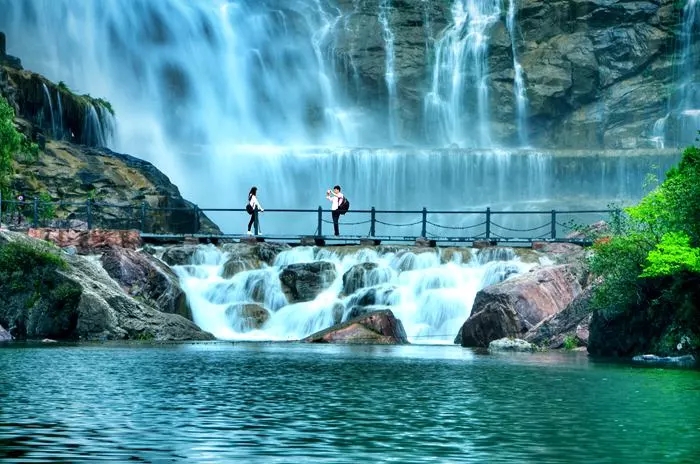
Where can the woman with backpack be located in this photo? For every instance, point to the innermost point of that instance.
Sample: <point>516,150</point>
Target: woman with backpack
<point>253,207</point>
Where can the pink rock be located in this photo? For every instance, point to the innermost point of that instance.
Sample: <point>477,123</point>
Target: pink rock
<point>87,241</point>
<point>379,327</point>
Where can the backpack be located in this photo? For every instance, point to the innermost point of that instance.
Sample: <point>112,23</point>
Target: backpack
<point>249,208</point>
<point>344,206</point>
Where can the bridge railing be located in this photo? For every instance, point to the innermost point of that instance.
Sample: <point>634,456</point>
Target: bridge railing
<point>444,225</point>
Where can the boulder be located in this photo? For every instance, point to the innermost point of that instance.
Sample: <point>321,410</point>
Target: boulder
<point>380,327</point>
<point>510,344</point>
<point>179,255</point>
<point>512,307</point>
<point>303,282</point>
<point>89,241</point>
<point>248,316</point>
<point>571,322</point>
<point>147,279</point>
<point>4,335</point>
<point>356,277</point>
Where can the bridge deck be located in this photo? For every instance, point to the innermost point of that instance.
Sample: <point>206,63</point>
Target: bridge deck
<point>296,240</point>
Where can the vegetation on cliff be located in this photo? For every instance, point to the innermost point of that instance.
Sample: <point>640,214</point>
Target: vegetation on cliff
<point>649,298</point>
<point>35,300</point>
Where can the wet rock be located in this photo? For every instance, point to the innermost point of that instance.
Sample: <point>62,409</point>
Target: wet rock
<point>147,279</point>
<point>4,335</point>
<point>686,360</point>
<point>514,306</point>
<point>179,255</point>
<point>356,277</point>
<point>380,327</point>
<point>571,322</point>
<point>246,317</point>
<point>303,282</point>
<point>511,344</point>
<point>255,253</point>
<point>236,265</point>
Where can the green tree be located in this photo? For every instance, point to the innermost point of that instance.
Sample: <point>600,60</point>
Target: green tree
<point>650,265</point>
<point>10,143</point>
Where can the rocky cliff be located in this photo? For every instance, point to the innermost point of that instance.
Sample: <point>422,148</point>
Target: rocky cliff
<point>597,73</point>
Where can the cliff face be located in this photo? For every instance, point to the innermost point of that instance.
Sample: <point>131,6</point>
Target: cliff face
<point>597,73</point>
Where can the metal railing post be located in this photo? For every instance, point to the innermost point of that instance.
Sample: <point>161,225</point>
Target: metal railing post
<point>424,223</point>
<point>88,206</point>
<point>256,225</point>
<point>554,224</point>
<point>488,222</point>
<point>319,227</point>
<point>372,222</point>
<point>35,213</point>
<point>143,216</point>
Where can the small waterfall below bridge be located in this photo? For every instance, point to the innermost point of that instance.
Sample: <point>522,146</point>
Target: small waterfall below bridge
<point>431,293</point>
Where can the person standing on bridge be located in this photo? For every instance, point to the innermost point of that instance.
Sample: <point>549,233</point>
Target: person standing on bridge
<point>336,198</point>
<point>253,207</point>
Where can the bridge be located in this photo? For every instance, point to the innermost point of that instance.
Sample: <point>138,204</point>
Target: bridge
<point>311,226</point>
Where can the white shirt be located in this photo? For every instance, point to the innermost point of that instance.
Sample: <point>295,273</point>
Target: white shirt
<point>254,202</point>
<point>335,200</point>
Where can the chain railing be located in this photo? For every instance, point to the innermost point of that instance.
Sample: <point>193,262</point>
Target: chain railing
<point>441,225</point>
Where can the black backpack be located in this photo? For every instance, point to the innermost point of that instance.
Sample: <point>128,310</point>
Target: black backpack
<point>249,208</point>
<point>344,205</point>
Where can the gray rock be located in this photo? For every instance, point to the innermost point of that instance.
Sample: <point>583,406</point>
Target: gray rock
<point>511,344</point>
<point>514,306</point>
<point>303,282</point>
<point>4,335</point>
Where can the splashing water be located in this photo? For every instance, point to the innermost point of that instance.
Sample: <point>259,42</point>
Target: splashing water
<point>431,293</point>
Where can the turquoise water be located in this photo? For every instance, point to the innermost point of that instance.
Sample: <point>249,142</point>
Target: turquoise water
<point>294,403</point>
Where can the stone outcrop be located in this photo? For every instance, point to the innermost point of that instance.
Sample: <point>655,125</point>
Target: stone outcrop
<point>303,282</point>
<point>572,322</point>
<point>124,192</point>
<point>380,328</point>
<point>147,279</point>
<point>4,335</point>
<point>89,241</point>
<point>71,297</point>
<point>514,306</point>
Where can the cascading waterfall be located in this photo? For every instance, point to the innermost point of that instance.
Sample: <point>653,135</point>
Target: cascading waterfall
<point>51,112</point>
<point>431,293</point>
<point>59,104</point>
<point>690,81</point>
<point>519,80</point>
<point>389,73</point>
<point>459,77</point>
<point>684,104</point>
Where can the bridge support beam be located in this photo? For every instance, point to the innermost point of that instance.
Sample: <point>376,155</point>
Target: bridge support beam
<point>484,243</point>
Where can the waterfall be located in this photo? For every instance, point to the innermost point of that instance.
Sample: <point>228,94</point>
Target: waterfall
<point>389,74</point>
<point>682,121</point>
<point>459,77</point>
<point>518,81</point>
<point>431,293</point>
<point>690,69</point>
<point>51,113</point>
<point>59,104</point>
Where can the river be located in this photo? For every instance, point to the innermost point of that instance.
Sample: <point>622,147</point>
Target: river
<point>292,402</point>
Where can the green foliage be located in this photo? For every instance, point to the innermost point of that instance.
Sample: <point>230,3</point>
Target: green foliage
<point>672,255</point>
<point>47,210</point>
<point>570,342</point>
<point>650,260</point>
<point>10,143</point>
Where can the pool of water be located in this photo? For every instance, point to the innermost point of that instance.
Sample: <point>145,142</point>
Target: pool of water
<point>291,402</point>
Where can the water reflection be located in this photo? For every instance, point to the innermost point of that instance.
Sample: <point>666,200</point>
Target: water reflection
<point>298,403</point>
